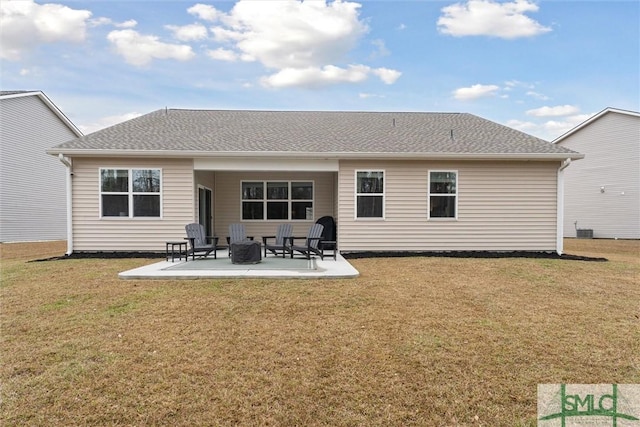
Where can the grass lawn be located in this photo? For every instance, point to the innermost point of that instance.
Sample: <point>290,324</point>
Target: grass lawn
<point>412,341</point>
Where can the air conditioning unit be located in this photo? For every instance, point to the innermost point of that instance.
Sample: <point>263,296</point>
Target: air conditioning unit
<point>584,233</point>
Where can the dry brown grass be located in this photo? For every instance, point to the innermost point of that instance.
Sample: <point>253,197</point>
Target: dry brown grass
<point>412,341</point>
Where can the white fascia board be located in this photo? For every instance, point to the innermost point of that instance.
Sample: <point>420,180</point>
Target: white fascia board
<point>307,155</point>
<point>19,94</point>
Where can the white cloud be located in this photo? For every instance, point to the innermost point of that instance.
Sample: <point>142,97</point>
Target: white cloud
<point>105,122</point>
<point>537,95</point>
<point>512,84</point>
<point>381,49</point>
<point>223,55</point>
<point>476,91</point>
<point>295,34</point>
<point>108,21</point>
<point>96,22</point>
<point>516,84</point>
<point>565,125</point>
<point>560,110</point>
<point>139,50</point>
<point>33,72</point>
<point>131,23</point>
<point>26,24</point>
<point>551,129</point>
<point>191,32</point>
<point>223,35</point>
<point>304,42</point>
<point>312,77</point>
<point>316,76</point>
<point>204,12</point>
<point>387,75</point>
<point>364,95</point>
<point>523,126</point>
<point>490,18</point>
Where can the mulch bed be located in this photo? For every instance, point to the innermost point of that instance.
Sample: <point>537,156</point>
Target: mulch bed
<point>471,254</point>
<point>357,255</point>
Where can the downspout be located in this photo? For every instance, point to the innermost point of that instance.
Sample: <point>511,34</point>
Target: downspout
<point>67,162</point>
<point>560,208</point>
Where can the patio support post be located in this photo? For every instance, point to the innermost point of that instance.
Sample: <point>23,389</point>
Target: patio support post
<point>560,207</point>
<point>67,162</point>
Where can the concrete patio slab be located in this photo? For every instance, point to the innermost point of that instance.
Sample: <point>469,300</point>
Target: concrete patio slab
<point>270,267</point>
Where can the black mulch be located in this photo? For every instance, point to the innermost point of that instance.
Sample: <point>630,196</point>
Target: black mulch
<point>104,255</point>
<point>471,254</point>
<point>356,255</point>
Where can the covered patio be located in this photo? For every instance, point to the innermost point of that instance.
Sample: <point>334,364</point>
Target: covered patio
<point>263,194</point>
<point>222,267</point>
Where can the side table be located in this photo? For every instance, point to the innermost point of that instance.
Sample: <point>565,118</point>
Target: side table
<point>179,246</point>
<point>330,245</point>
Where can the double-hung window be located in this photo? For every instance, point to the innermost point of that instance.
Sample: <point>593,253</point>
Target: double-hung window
<point>277,200</point>
<point>130,193</point>
<point>443,194</point>
<point>369,194</point>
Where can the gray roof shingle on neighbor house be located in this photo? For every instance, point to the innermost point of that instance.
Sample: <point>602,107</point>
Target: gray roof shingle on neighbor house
<point>235,132</point>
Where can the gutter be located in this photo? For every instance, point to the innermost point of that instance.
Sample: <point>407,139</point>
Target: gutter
<point>315,155</point>
<point>560,207</point>
<point>67,162</point>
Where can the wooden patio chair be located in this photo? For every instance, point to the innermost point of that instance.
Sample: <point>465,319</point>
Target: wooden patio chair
<point>313,242</point>
<point>199,242</point>
<point>282,243</point>
<point>237,234</point>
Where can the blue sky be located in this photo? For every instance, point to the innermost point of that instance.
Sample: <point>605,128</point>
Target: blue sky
<point>541,67</point>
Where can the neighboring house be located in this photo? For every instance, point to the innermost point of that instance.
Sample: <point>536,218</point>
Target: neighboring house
<point>33,203</point>
<point>392,181</point>
<point>602,192</point>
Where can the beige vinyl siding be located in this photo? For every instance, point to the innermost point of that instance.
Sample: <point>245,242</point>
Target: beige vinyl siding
<point>92,233</point>
<point>502,206</point>
<point>611,145</point>
<point>32,183</point>
<point>227,204</point>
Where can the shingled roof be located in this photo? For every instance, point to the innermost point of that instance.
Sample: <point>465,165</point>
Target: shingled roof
<point>179,132</point>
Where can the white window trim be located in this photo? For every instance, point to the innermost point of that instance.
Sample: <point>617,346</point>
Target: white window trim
<point>356,194</point>
<point>289,200</point>
<point>456,195</point>
<point>130,193</point>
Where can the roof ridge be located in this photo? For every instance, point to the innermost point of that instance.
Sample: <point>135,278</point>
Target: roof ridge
<point>312,111</point>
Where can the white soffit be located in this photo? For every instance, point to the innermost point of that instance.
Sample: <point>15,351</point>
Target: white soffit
<point>244,164</point>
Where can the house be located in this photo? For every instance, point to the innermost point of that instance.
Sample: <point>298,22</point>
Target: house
<point>393,181</point>
<point>33,203</point>
<point>603,191</point>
